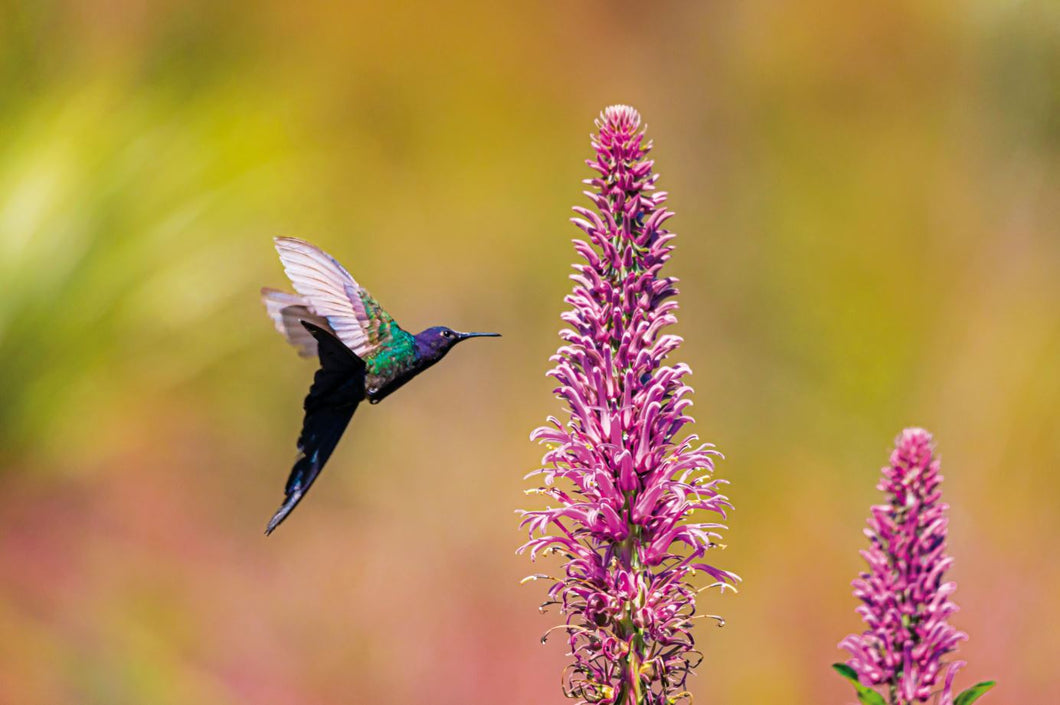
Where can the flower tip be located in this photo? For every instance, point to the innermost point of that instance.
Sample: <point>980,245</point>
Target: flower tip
<point>621,115</point>
<point>914,435</point>
<point>914,445</point>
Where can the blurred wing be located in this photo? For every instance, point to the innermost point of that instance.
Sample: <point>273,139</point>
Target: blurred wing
<point>354,316</point>
<point>287,312</point>
<point>338,387</point>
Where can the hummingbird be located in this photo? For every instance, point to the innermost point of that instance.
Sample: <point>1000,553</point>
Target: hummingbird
<point>363,353</point>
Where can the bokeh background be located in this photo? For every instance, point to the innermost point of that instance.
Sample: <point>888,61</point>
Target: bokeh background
<point>867,202</point>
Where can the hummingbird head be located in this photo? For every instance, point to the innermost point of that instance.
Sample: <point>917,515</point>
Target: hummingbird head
<point>435,342</point>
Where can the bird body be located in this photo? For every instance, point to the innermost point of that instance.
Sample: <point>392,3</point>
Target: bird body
<point>363,353</point>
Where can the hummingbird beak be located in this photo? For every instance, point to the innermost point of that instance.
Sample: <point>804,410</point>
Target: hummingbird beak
<point>465,336</point>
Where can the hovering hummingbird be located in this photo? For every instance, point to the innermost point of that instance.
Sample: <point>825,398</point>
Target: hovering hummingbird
<point>363,353</point>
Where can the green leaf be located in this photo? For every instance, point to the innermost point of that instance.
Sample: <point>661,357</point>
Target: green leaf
<point>846,671</point>
<point>972,694</point>
<point>866,695</point>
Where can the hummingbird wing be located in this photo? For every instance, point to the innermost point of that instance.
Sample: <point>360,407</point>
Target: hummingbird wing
<point>338,387</point>
<point>331,292</point>
<point>287,312</point>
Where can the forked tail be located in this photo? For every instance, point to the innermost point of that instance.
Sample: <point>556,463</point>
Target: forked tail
<point>338,387</point>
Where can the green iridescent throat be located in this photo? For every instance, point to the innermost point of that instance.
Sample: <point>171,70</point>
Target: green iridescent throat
<point>398,354</point>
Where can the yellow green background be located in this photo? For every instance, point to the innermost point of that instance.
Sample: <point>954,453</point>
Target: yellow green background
<point>867,206</point>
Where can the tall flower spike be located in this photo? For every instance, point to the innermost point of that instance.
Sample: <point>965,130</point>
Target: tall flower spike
<point>621,482</point>
<point>905,603</point>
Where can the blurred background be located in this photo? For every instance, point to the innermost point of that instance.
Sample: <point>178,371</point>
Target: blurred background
<point>867,202</point>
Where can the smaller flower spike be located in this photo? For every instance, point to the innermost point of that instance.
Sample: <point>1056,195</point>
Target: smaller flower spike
<point>631,493</point>
<point>905,602</point>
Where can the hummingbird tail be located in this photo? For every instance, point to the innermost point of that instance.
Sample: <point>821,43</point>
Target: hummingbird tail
<point>338,387</point>
<point>286,508</point>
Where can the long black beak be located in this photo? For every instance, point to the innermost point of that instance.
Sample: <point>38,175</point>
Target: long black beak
<point>465,336</point>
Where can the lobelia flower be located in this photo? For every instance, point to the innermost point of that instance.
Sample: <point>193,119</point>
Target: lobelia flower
<point>622,483</point>
<point>905,602</point>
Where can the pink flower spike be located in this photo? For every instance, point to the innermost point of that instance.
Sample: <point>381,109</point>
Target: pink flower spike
<point>905,600</point>
<point>624,496</point>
